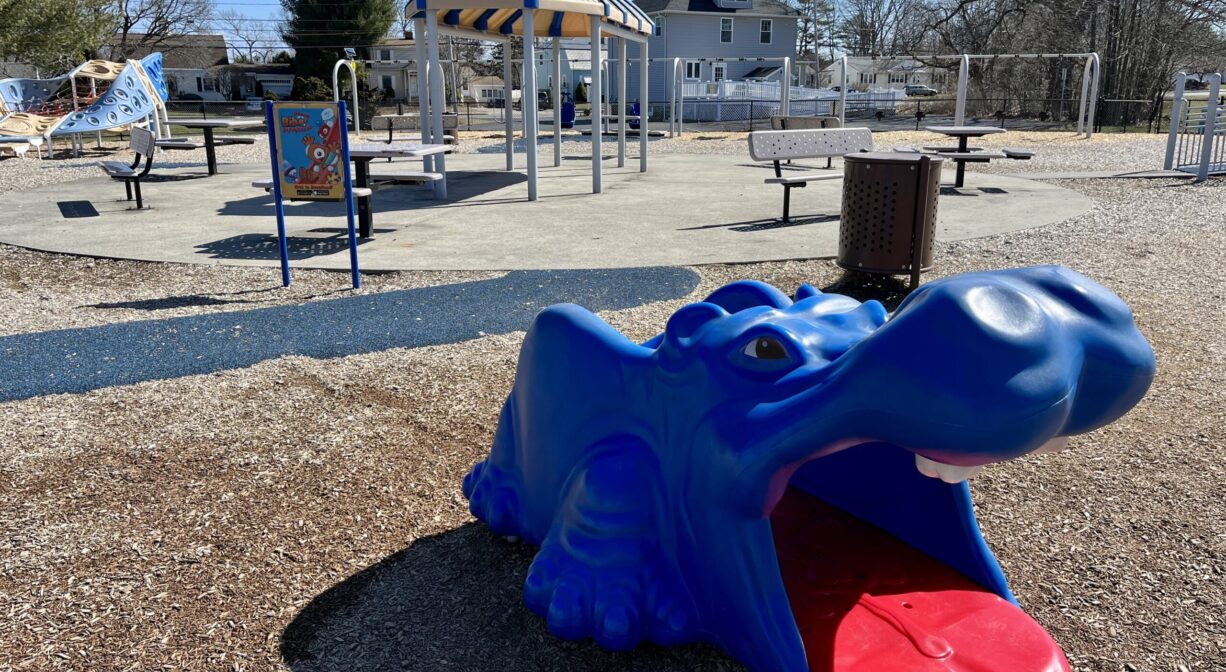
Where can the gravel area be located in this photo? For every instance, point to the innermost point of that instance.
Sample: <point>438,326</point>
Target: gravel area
<point>305,514</point>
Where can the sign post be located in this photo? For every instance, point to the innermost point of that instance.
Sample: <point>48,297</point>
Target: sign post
<point>309,143</point>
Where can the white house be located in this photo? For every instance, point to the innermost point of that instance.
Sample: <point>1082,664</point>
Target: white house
<point>392,68</point>
<point>868,72</point>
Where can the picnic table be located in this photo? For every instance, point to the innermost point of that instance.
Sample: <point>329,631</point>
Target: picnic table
<point>210,144</point>
<point>964,154</point>
<point>364,152</point>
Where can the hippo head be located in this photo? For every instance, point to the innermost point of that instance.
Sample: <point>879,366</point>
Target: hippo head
<point>831,447</point>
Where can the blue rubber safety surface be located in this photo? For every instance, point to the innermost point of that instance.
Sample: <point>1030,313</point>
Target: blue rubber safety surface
<point>79,360</point>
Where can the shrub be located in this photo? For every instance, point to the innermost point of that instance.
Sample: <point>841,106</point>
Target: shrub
<point>580,93</point>
<point>311,88</point>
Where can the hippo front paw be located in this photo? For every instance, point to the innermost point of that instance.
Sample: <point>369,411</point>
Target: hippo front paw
<point>618,606</point>
<point>493,499</point>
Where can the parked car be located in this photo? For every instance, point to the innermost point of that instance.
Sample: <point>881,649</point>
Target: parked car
<point>919,90</point>
<point>544,101</point>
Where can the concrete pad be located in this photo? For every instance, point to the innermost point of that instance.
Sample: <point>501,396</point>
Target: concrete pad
<point>689,209</point>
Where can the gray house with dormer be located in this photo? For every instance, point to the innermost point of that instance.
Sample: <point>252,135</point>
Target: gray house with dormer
<point>710,36</point>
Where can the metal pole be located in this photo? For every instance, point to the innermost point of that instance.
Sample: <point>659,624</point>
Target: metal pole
<point>436,100</point>
<point>785,88</point>
<point>680,83</point>
<point>454,89</point>
<point>644,108</point>
<point>843,91</point>
<point>278,204</point>
<point>672,101</point>
<point>527,97</point>
<point>354,273</point>
<point>621,102</point>
<point>1085,95</point>
<point>596,109</point>
<point>964,73</point>
<point>508,107</point>
<point>1093,96</point>
<point>557,101</point>
<point>1209,127</point>
<point>423,89</point>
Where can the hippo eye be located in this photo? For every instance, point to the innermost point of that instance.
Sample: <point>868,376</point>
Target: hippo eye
<point>765,347</point>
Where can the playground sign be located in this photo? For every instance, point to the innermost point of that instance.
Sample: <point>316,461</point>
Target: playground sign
<point>309,141</point>
<point>310,162</point>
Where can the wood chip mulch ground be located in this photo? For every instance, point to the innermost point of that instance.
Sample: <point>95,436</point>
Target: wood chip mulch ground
<point>305,514</point>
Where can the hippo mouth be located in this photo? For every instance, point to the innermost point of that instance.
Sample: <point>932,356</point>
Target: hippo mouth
<point>893,574</point>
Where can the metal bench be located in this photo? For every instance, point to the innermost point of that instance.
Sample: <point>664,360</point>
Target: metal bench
<point>781,122</point>
<point>779,146</point>
<point>144,145</point>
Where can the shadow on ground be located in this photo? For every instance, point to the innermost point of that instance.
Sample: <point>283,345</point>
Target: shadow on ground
<point>264,246</point>
<point>453,601</point>
<point>79,360</point>
<point>887,289</point>
<point>461,185</point>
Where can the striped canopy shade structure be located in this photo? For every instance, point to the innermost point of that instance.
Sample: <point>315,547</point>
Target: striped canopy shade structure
<point>532,21</point>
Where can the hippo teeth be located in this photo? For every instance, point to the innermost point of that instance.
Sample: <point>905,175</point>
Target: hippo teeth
<point>949,473</point>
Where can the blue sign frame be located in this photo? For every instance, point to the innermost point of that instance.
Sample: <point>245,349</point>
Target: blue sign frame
<point>276,114</point>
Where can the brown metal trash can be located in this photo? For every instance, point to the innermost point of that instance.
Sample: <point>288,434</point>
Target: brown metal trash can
<point>889,205</point>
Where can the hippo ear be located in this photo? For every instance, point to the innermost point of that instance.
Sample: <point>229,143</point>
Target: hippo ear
<point>806,291</point>
<point>686,322</point>
<point>738,296</point>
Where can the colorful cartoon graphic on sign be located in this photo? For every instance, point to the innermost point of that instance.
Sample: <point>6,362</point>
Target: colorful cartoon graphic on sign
<point>309,143</point>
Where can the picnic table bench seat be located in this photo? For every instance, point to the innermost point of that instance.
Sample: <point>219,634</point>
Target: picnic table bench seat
<point>971,157</point>
<point>949,148</point>
<point>812,143</point>
<point>179,143</point>
<point>265,183</point>
<point>1018,154</point>
<point>405,177</point>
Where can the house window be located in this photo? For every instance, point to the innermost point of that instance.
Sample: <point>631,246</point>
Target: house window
<point>725,31</point>
<point>385,54</point>
<point>764,31</point>
<point>387,82</point>
<point>938,78</point>
<point>659,27</point>
<point>868,78</point>
<point>693,70</point>
<point>719,72</point>
<point>896,78</point>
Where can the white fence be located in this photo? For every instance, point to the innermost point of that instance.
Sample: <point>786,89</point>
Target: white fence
<point>1197,139</point>
<point>730,100</point>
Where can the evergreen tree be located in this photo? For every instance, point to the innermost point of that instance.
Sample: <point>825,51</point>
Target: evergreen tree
<point>54,35</point>
<point>320,30</point>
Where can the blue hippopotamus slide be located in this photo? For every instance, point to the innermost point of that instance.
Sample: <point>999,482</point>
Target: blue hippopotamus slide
<point>785,478</point>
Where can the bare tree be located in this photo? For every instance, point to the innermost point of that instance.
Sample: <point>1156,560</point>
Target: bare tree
<point>877,27</point>
<point>145,24</point>
<point>246,34</point>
